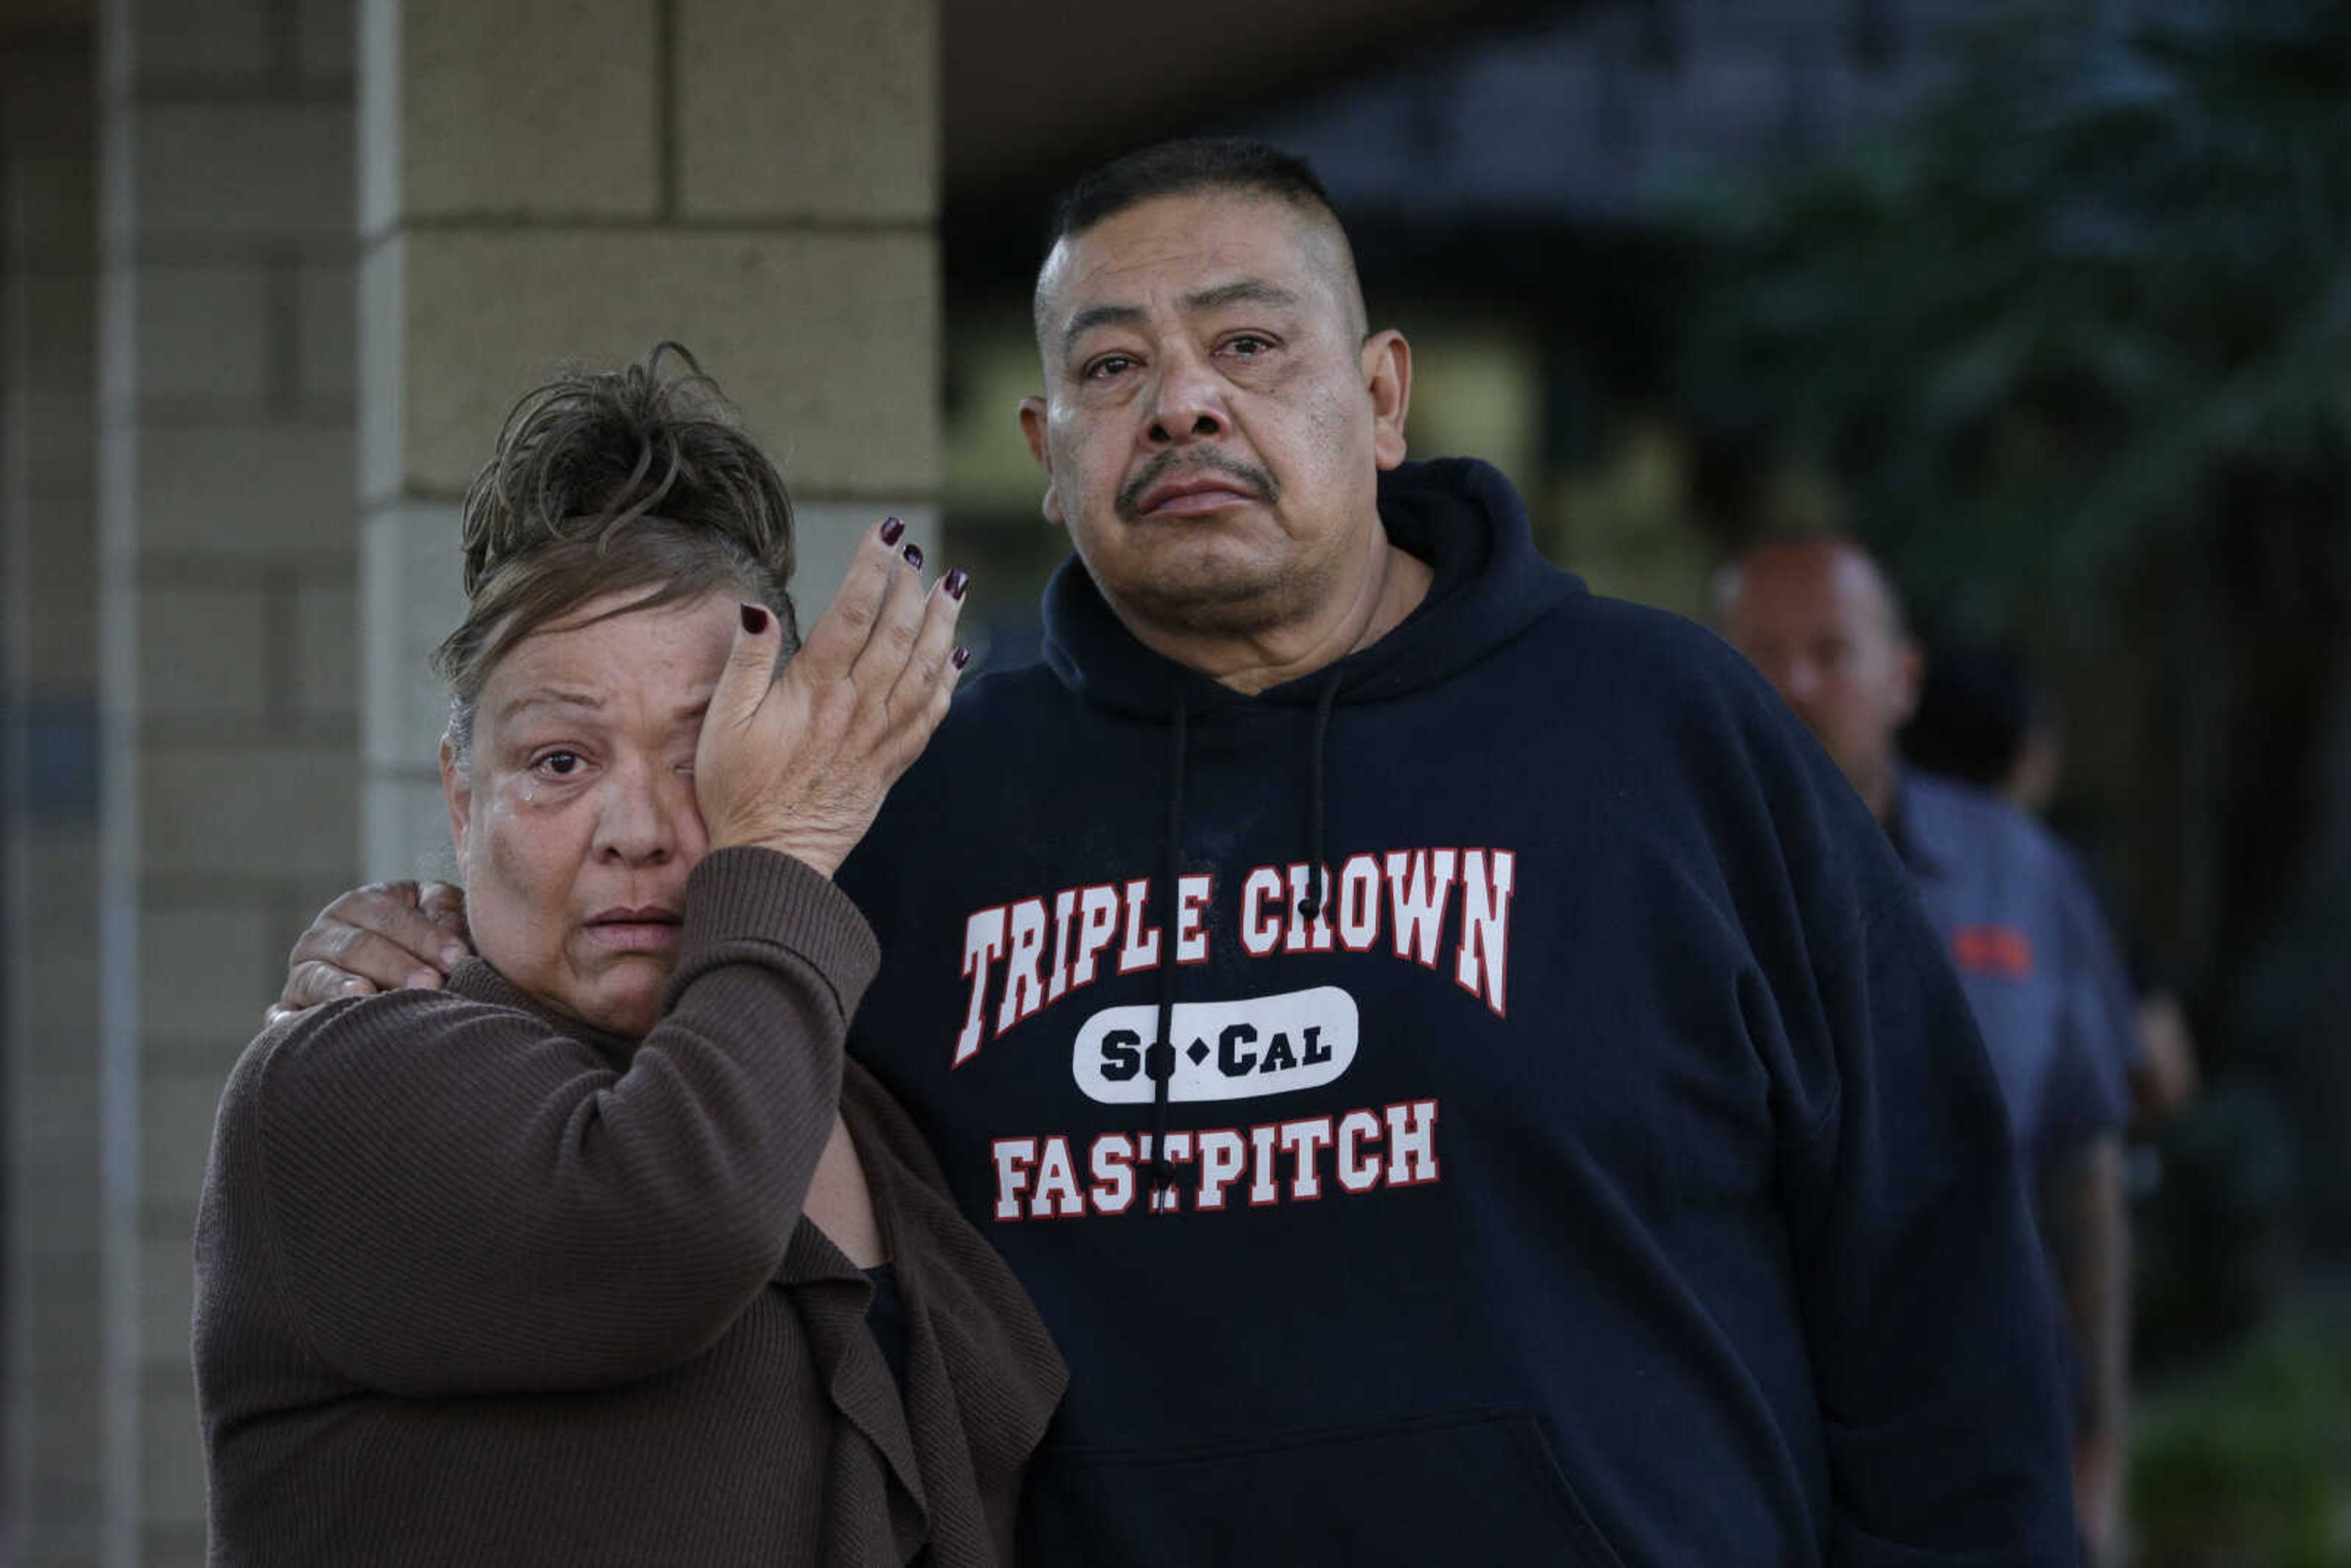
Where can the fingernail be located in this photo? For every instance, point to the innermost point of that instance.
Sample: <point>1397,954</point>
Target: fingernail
<point>452,956</point>
<point>890,528</point>
<point>755,619</point>
<point>353,987</point>
<point>960,657</point>
<point>913,554</point>
<point>955,582</point>
<point>422,980</point>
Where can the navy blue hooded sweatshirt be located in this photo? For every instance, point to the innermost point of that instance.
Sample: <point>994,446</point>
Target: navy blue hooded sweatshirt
<point>1602,1170</point>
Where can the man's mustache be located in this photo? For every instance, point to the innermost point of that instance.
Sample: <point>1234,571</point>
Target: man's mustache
<point>1259,483</point>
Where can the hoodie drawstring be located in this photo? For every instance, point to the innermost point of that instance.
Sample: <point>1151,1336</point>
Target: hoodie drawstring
<point>1162,1178</point>
<point>1318,891</point>
<point>1160,1063</point>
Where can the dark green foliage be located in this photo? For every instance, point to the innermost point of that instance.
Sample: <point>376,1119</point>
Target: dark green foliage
<point>2249,1462</point>
<point>2073,307</point>
<point>2211,1249</point>
<point>2076,344</point>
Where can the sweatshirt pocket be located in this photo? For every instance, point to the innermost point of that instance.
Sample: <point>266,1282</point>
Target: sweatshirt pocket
<point>1469,1487</point>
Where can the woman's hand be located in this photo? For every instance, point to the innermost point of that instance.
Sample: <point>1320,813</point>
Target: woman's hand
<point>799,763</point>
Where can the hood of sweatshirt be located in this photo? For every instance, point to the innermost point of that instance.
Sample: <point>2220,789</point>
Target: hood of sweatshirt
<point>1458,514</point>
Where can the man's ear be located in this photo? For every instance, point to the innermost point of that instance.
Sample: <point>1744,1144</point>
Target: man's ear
<point>1032,426</point>
<point>458,790</point>
<point>1387,376</point>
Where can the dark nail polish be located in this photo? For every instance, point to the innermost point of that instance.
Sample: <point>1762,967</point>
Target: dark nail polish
<point>913,554</point>
<point>890,528</point>
<point>955,582</point>
<point>755,619</point>
<point>960,657</point>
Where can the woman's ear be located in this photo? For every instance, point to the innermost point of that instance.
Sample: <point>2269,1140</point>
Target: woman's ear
<point>458,790</point>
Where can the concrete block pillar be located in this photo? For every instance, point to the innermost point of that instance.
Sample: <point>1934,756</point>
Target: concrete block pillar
<point>53,1375</point>
<point>572,181</point>
<point>228,689</point>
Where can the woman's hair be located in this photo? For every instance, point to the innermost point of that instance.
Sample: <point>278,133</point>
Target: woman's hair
<point>604,481</point>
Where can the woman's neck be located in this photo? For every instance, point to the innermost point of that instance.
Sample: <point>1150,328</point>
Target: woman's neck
<point>841,1205</point>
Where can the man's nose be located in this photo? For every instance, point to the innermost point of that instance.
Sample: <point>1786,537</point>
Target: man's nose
<point>1190,405</point>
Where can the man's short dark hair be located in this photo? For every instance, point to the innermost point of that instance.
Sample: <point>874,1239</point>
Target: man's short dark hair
<point>1978,710</point>
<point>1179,168</point>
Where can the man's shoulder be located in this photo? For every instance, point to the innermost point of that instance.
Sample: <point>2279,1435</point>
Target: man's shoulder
<point>1626,635</point>
<point>1968,818</point>
<point>1680,720</point>
<point>1977,835</point>
<point>992,719</point>
<point>1957,798</point>
<point>1020,695</point>
<point>975,767</point>
<point>1656,668</point>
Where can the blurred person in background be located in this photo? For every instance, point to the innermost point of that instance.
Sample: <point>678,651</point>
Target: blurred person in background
<point>1820,619</point>
<point>1985,720</point>
<point>603,1252</point>
<point>1627,1187</point>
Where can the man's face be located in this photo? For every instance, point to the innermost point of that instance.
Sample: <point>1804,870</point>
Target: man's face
<point>1815,617</point>
<point>1213,419</point>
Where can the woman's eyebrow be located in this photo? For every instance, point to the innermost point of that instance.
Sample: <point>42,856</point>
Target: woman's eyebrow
<point>550,696</point>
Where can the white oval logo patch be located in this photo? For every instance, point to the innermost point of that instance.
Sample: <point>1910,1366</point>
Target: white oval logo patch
<point>1224,1050</point>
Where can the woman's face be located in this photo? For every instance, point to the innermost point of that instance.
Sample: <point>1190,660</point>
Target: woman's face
<point>574,818</point>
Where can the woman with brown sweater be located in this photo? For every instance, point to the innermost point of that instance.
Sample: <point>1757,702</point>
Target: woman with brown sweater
<point>604,1253</point>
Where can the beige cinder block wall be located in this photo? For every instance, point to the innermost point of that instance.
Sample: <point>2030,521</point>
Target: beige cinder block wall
<point>227,650</point>
<point>270,360</point>
<point>547,181</point>
<point>48,803</point>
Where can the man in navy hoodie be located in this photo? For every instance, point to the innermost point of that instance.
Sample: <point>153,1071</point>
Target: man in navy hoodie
<point>1462,1076</point>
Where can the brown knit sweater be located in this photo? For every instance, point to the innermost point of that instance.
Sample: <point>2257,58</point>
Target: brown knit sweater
<point>475,1285</point>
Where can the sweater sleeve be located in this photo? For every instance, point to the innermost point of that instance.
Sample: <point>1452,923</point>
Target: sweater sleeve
<point>1928,1325</point>
<point>462,1198</point>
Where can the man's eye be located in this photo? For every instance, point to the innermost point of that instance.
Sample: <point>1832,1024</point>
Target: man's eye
<point>1247,345</point>
<point>1108,365</point>
<point>559,764</point>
